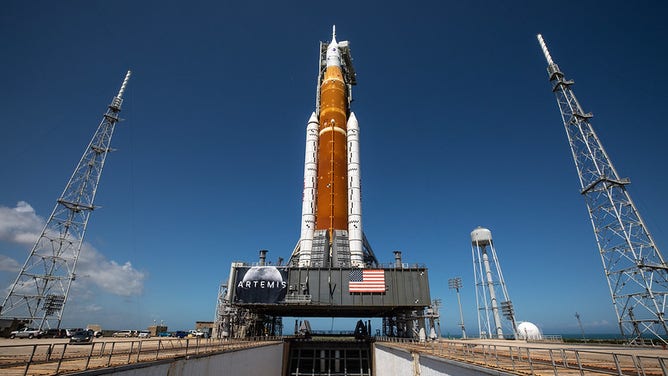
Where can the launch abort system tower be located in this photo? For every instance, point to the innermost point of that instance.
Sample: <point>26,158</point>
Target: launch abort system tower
<point>332,272</point>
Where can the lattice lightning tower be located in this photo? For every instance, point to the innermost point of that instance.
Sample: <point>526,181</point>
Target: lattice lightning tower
<point>41,289</point>
<point>634,267</point>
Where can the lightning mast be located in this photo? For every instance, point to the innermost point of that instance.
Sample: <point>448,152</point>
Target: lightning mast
<point>633,265</point>
<point>41,289</point>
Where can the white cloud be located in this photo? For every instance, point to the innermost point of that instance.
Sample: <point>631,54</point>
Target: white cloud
<point>91,308</point>
<point>117,279</point>
<point>8,264</point>
<point>22,225</point>
<point>599,323</point>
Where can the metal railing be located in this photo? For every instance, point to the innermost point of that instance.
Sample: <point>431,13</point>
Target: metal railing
<point>404,265</point>
<point>548,338</point>
<point>528,360</point>
<point>297,298</point>
<point>63,357</point>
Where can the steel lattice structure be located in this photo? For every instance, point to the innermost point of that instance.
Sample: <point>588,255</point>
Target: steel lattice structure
<point>634,267</point>
<point>41,289</point>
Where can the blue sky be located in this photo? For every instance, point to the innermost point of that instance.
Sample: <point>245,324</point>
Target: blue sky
<point>459,128</point>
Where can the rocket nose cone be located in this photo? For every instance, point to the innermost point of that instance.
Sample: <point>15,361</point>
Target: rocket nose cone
<point>313,118</point>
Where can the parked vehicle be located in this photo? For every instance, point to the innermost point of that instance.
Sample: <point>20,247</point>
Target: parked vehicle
<point>82,336</point>
<point>97,329</point>
<point>123,333</point>
<point>197,334</point>
<point>70,332</point>
<point>144,334</point>
<point>179,334</point>
<point>164,334</point>
<point>26,333</point>
<point>55,333</point>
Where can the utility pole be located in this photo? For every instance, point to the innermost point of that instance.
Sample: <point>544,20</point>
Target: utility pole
<point>40,291</point>
<point>456,284</point>
<point>577,316</point>
<point>635,270</point>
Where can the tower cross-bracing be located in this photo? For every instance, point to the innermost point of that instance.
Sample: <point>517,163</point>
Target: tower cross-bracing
<point>633,265</point>
<point>40,291</point>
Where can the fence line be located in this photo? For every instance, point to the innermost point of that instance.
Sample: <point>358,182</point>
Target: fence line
<point>539,360</point>
<point>55,358</point>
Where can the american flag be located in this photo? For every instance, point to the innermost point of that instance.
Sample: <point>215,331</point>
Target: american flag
<point>367,280</point>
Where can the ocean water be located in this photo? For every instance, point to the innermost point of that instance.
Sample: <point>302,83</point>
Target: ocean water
<point>592,336</point>
<point>575,336</point>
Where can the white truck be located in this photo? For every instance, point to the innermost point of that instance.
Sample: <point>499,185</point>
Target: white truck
<point>26,333</point>
<point>196,333</point>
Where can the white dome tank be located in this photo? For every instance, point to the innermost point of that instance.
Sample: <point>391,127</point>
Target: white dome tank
<point>481,236</point>
<point>528,331</point>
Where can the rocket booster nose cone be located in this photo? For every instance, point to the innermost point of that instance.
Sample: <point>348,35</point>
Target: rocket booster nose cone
<point>352,121</point>
<point>313,118</point>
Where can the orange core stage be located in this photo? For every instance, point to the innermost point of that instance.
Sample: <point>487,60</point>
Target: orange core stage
<point>332,194</point>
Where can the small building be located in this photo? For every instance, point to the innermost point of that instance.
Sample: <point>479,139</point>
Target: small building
<point>155,330</point>
<point>205,327</point>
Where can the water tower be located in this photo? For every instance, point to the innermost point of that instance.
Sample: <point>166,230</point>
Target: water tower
<point>488,281</point>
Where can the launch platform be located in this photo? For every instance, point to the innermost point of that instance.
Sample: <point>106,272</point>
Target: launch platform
<point>333,270</point>
<point>327,292</point>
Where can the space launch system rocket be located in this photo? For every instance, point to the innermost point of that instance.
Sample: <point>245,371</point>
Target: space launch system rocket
<point>331,228</point>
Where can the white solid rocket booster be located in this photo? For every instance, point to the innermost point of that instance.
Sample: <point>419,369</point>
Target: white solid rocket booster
<point>308,200</point>
<point>354,194</point>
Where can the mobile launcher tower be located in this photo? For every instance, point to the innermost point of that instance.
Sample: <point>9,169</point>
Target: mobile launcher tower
<point>332,271</point>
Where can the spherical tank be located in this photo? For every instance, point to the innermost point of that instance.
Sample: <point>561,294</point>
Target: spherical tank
<point>481,236</point>
<point>528,331</point>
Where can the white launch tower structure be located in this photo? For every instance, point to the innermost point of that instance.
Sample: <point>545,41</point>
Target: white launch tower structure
<point>488,281</point>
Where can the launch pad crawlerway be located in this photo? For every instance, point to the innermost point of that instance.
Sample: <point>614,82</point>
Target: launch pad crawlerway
<point>333,271</point>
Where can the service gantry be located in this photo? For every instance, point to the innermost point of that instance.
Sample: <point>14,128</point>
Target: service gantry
<point>39,293</point>
<point>633,265</point>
